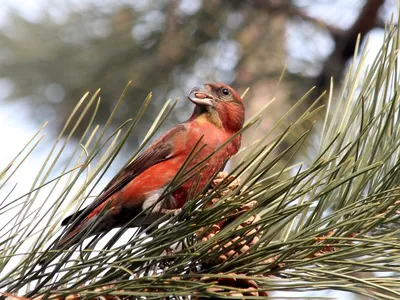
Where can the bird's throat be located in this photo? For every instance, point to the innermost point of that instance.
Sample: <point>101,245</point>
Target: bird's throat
<point>206,114</point>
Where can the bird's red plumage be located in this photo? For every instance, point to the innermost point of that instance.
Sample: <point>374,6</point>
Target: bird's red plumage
<point>207,130</point>
<point>159,175</point>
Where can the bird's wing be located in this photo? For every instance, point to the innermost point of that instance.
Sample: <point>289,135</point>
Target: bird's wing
<point>161,150</point>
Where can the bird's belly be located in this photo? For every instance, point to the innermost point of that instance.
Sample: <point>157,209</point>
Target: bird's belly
<point>200,177</point>
<point>153,203</point>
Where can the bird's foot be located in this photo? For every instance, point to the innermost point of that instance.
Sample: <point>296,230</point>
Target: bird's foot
<point>174,212</point>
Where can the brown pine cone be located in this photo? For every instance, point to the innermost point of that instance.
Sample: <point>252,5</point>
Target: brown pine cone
<point>237,245</point>
<point>240,287</point>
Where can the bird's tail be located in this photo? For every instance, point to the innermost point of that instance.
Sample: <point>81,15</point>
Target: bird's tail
<point>68,238</point>
<point>95,224</point>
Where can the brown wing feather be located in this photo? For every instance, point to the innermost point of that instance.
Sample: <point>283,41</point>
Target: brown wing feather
<point>161,150</point>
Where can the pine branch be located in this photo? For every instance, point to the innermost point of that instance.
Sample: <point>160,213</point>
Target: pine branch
<point>259,229</point>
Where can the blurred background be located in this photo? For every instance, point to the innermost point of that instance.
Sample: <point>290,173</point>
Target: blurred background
<point>53,51</point>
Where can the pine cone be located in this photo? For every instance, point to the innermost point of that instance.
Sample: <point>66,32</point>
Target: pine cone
<point>240,287</point>
<point>238,245</point>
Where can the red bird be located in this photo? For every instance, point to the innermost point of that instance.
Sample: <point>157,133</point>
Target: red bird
<point>217,117</point>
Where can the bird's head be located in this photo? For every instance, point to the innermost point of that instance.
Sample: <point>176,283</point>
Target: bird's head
<point>222,105</point>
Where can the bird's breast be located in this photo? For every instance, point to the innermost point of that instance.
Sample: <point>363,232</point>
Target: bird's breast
<point>197,151</point>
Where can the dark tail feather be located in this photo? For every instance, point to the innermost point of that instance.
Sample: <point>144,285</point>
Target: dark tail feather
<point>53,250</point>
<point>68,239</point>
<point>72,217</point>
<point>104,221</point>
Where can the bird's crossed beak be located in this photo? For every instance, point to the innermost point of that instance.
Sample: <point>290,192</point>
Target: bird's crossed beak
<point>200,95</point>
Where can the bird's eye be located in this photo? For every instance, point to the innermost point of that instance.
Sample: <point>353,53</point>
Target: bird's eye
<point>225,92</point>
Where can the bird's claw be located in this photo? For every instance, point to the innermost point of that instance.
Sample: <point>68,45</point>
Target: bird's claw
<point>174,212</point>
